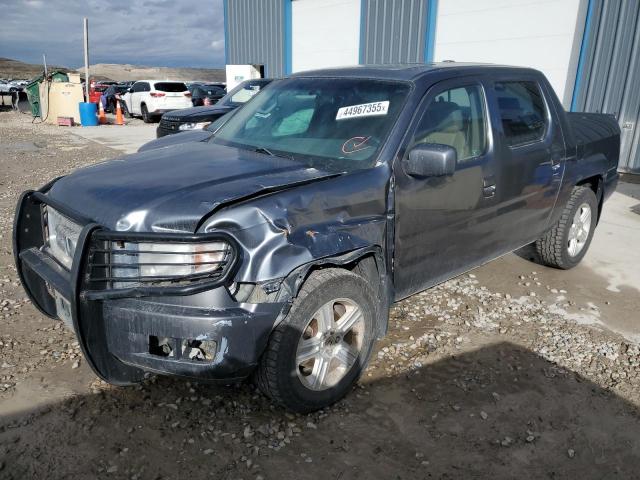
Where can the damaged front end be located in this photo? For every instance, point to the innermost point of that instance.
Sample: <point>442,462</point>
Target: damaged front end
<point>199,304</point>
<point>140,302</point>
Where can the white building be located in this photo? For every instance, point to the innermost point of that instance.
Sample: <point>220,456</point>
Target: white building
<point>589,49</point>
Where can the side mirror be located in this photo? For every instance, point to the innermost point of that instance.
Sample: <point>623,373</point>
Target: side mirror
<point>431,160</point>
<point>130,90</point>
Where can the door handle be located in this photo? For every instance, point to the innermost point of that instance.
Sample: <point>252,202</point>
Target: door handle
<point>488,187</point>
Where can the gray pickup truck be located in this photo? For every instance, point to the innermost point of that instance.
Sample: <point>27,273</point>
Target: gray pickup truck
<point>275,248</point>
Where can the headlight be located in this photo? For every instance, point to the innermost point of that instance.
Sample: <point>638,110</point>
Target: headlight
<point>61,236</point>
<point>137,263</point>
<point>193,126</point>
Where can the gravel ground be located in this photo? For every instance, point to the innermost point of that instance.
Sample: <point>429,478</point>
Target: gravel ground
<point>470,383</point>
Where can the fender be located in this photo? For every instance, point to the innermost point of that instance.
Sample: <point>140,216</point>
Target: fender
<point>376,269</point>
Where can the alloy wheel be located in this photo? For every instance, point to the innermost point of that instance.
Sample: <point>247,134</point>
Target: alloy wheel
<point>330,344</point>
<point>579,231</point>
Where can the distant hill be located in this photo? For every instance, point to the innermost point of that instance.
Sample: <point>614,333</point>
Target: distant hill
<point>138,72</point>
<point>109,71</point>
<point>23,71</point>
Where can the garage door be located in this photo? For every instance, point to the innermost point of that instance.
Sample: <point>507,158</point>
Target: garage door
<point>608,76</point>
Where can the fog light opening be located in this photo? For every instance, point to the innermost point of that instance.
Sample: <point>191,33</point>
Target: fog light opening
<point>161,346</point>
<point>198,350</point>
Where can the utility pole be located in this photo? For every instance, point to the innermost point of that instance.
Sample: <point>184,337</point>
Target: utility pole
<point>86,58</point>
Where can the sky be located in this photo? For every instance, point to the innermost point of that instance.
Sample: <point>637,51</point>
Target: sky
<point>171,33</point>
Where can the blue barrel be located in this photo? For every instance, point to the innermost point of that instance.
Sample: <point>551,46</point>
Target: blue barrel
<point>88,114</point>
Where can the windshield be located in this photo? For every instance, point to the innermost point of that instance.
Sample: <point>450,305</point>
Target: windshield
<point>331,124</point>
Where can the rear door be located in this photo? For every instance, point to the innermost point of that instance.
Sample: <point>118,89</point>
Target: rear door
<point>445,225</point>
<point>531,149</point>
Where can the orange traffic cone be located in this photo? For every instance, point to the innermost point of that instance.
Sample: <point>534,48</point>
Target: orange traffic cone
<point>119,118</point>
<point>102,118</point>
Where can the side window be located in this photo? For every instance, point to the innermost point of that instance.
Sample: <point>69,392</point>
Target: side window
<point>522,111</point>
<point>136,87</point>
<point>455,117</point>
<point>146,87</point>
<point>245,94</point>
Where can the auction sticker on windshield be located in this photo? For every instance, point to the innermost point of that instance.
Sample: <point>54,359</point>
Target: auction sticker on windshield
<point>363,110</point>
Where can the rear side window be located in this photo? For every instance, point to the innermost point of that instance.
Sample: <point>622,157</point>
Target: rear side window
<point>522,111</point>
<point>170,87</point>
<point>214,90</point>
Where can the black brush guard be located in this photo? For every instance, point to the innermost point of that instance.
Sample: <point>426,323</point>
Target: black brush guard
<point>113,325</point>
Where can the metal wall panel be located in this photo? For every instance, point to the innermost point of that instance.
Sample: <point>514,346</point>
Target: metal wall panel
<point>393,31</point>
<point>256,34</point>
<point>609,77</point>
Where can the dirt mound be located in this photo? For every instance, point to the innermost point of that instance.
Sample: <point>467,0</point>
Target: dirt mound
<point>138,72</point>
<point>10,68</point>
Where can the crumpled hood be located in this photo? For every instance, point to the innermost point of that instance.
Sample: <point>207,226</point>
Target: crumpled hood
<point>171,189</point>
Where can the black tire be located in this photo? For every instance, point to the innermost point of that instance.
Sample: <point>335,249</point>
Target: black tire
<point>277,375</point>
<point>125,110</point>
<point>552,249</point>
<point>146,116</point>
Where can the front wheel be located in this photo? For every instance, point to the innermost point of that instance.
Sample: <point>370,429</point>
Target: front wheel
<point>568,241</point>
<point>320,349</point>
<point>125,110</point>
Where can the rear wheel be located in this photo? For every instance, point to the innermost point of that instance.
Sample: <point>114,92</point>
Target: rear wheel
<point>321,347</point>
<point>568,241</point>
<point>146,116</point>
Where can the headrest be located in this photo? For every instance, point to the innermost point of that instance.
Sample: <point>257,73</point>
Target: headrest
<point>453,122</point>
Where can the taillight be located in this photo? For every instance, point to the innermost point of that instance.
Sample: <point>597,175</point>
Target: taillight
<point>157,94</point>
<point>187,94</point>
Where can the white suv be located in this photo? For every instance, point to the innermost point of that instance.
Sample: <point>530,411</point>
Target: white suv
<point>151,98</point>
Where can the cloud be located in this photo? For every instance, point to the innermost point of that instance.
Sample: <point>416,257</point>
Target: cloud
<point>174,33</point>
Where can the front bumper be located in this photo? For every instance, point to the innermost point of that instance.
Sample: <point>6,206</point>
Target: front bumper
<point>119,331</point>
<point>168,127</point>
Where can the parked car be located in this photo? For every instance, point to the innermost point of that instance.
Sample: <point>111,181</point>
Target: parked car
<point>276,248</point>
<point>151,98</point>
<point>199,117</point>
<point>111,95</point>
<point>206,93</point>
<point>96,89</point>
<point>10,86</point>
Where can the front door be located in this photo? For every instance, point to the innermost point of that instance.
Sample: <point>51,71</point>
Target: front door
<point>139,90</point>
<point>445,225</point>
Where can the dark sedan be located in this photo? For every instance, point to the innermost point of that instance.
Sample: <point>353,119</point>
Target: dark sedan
<point>206,93</point>
<point>198,118</point>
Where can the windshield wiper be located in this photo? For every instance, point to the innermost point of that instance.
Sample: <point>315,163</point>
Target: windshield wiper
<point>271,154</point>
<point>264,150</point>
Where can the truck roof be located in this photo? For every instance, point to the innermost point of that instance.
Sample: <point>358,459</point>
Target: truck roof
<point>406,71</point>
